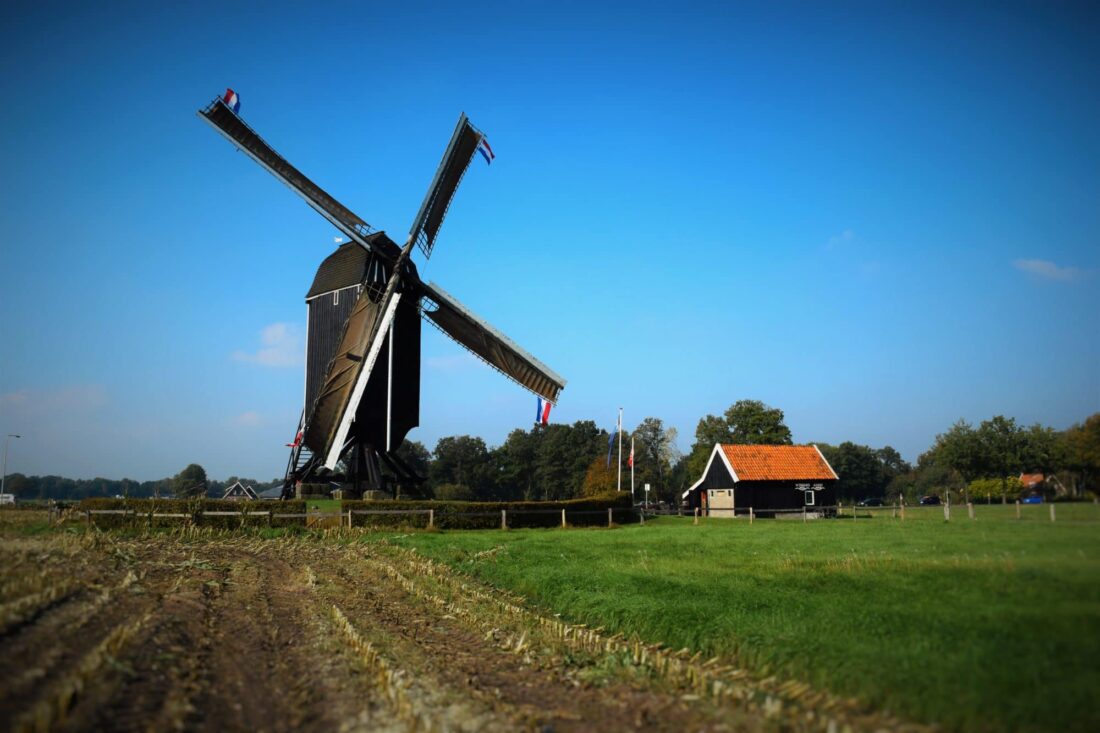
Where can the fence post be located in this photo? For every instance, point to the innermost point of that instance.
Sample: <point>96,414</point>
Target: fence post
<point>947,512</point>
<point>563,519</point>
<point>696,516</point>
<point>803,513</point>
<point>641,516</point>
<point>752,514</point>
<point>1052,512</point>
<point>431,518</point>
<point>970,509</point>
<point>1017,508</point>
<point>504,519</point>
<point>609,516</point>
<point>903,510</point>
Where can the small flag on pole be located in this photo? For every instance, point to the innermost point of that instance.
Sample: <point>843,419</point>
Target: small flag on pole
<point>485,150</point>
<point>630,460</point>
<point>542,415</point>
<point>232,101</point>
<point>610,447</point>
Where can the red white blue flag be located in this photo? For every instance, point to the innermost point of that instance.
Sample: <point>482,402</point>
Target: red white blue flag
<point>542,415</point>
<point>485,150</point>
<point>232,101</point>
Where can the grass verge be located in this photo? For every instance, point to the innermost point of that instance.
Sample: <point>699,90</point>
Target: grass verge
<point>974,625</point>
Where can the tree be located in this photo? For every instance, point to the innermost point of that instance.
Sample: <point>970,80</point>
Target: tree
<point>419,460</point>
<point>655,451</point>
<point>747,422</point>
<point>514,463</point>
<point>751,422</point>
<point>862,473</point>
<point>190,482</point>
<point>463,460</point>
<point>600,479</point>
<point>1082,447</point>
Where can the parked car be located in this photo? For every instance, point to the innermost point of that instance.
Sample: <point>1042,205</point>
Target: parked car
<point>930,500</point>
<point>1033,499</point>
<point>874,501</point>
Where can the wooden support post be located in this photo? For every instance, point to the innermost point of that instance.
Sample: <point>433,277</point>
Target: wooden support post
<point>504,519</point>
<point>752,514</point>
<point>563,519</point>
<point>803,514</point>
<point>349,518</point>
<point>431,518</point>
<point>970,509</point>
<point>1052,512</point>
<point>903,510</point>
<point>894,512</point>
<point>696,516</point>
<point>641,515</point>
<point>609,516</point>
<point>947,512</point>
<point>1017,508</point>
<point>87,518</point>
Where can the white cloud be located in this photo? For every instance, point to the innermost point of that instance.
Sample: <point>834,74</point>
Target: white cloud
<point>282,347</point>
<point>249,419</point>
<point>845,237</point>
<point>1047,269</point>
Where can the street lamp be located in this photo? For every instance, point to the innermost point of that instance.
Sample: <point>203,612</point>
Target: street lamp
<point>4,475</point>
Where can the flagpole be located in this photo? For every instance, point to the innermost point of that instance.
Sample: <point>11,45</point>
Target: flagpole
<point>632,468</point>
<point>619,484</point>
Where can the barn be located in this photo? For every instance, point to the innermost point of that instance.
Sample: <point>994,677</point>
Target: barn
<point>766,478</point>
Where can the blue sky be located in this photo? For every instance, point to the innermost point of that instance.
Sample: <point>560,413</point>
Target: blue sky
<point>879,217</point>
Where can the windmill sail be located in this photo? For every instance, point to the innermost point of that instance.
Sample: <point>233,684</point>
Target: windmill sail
<point>490,345</point>
<point>456,159</point>
<point>225,121</point>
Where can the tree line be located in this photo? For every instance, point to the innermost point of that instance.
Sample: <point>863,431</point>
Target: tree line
<point>561,461</point>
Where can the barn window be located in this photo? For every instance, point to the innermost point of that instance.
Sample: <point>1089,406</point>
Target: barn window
<point>809,498</point>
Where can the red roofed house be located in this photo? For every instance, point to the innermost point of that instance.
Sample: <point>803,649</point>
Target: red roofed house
<point>764,477</point>
<point>1032,481</point>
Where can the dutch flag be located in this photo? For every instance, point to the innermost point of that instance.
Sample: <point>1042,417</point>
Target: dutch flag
<point>232,101</point>
<point>542,414</point>
<point>485,150</point>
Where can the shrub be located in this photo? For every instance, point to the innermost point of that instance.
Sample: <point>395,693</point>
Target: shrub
<point>254,512</point>
<point>486,514</point>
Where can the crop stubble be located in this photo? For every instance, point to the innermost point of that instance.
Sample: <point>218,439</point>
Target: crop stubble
<point>215,631</point>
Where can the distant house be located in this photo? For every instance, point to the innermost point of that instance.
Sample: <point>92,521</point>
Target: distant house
<point>240,492</point>
<point>1032,481</point>
<point>764,477</point>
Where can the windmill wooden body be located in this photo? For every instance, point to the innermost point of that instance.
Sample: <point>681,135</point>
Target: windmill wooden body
<point>362,392</point>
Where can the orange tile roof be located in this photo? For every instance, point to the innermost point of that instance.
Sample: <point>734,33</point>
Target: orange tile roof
<point>1031,479</point>
<point>778,463</point>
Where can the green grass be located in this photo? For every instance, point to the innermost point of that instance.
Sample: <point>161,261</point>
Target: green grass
<point>323,505</point>
<point>975,625</point>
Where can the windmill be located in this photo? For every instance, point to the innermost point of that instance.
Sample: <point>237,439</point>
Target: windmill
<point>362,392</point>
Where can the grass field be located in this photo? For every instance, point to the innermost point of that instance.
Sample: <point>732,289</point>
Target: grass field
<point>976,625</point>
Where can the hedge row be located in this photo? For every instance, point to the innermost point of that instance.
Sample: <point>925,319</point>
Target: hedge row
<point>486,514</point>
<point>255,512</point>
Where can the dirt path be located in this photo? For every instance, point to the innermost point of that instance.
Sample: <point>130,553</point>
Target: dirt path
<point>223,633</point>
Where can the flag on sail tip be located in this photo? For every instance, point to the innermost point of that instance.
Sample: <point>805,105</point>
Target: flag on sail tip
<point>297,441</point>
<point>542,415</point>
<point>232,101</point>
<point>485,150</point>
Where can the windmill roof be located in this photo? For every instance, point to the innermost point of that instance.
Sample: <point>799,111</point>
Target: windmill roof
<point>778,463</point>
<point>347,266</point>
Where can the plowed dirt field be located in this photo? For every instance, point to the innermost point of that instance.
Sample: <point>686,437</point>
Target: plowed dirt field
<point>218,632</point>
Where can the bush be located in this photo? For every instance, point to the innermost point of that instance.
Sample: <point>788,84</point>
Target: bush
<point>254,512</point>
<point>486,514</point>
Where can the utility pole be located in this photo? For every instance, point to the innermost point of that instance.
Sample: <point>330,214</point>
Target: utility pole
<point>4,474</point>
